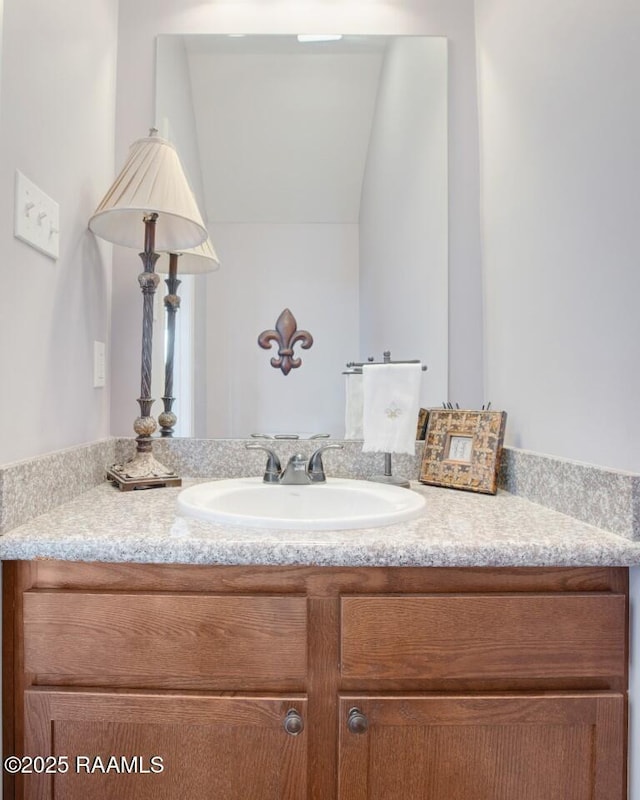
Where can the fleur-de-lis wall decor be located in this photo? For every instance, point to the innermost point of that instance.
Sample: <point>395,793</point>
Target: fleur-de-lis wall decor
<point>286,335</point>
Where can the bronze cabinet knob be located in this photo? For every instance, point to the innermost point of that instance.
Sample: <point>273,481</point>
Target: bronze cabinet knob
<point>293,722</point>
<point>357,721</point>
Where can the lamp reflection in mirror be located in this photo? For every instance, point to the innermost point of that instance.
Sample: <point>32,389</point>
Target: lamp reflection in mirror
<point>196,261</point>
<point>151,188</point>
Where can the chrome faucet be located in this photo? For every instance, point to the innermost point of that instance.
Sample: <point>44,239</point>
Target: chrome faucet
<point>273,469</point>
<point>298,470</point>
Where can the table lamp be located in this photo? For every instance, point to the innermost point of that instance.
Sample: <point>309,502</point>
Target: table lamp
<point>152,191</point>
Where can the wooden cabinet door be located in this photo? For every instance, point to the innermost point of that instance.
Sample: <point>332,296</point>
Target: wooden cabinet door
<point>560,746</point>
<point>228,747</point>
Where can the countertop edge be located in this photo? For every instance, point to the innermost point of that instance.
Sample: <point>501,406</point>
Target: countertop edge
<point>457,529</point>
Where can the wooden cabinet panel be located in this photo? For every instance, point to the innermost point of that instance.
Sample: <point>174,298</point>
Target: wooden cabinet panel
<point>501,747</point>
<point>211,747</point>
<point>165,640</point>
<point>484,636</point>
<point>478,684</point>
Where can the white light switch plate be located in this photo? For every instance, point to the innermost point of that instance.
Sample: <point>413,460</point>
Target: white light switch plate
<point>36,217</point>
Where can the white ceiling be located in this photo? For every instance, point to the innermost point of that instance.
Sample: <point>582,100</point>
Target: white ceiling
<point>283,128</point>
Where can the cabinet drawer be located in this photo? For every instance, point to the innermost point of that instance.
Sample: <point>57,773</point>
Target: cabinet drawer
<point>484,636</point>
<point>165,640</point>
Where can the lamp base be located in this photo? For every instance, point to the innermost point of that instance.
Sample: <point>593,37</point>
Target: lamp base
<point>143,471</point>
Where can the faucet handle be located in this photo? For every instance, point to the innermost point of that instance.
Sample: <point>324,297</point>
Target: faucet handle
<point>274,468</point>
<point>316,467</point>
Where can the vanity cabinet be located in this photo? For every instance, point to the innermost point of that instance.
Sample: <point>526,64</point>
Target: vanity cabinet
<point>302,683</point>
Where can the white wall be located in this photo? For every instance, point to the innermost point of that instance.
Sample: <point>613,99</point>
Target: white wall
<point>403,217</point>
<point>140,22</point>
<point>312,270</point>
<point>560,124</point>
<point>283,135</point>
<point>57,127</point>
<point>174,76</point>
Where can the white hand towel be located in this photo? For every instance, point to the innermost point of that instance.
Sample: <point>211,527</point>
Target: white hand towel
<point>353,406</point>
<point>391,404</point>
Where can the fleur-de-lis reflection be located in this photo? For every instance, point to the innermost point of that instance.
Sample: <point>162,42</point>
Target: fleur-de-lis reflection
<point>286,335</point>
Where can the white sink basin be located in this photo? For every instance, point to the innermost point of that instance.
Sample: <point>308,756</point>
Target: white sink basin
<point>338,504</point>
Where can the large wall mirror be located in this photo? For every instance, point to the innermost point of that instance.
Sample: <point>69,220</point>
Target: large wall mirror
<point>321,171</point>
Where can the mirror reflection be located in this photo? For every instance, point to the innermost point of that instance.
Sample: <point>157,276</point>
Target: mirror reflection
<point>321,172</point>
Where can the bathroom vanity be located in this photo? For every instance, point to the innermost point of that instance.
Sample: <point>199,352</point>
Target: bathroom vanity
<point>478,652</point>
<point>302,682</point>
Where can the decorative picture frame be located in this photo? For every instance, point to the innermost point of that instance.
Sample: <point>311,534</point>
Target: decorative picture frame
<point>463,448</point>
<point>423,419</point>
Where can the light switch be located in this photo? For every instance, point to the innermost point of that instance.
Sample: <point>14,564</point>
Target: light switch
<point>36,217</point>
<point>98,365</point>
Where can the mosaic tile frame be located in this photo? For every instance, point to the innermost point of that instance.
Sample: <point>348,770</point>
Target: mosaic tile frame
<point>463,448</point>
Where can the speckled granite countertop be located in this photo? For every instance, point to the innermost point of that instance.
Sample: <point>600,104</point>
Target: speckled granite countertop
<point>456,529</point>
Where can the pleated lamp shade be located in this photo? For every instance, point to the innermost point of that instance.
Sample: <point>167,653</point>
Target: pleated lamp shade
<point>195,261</point>
<point>151,181</point>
